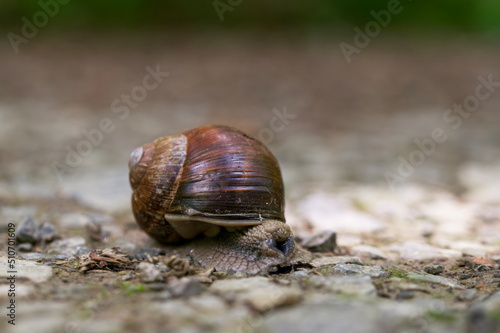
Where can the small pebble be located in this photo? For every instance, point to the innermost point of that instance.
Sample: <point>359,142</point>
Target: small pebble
<point>27,230</point>
<point>479,263</point>
<point>32,256</point>
<point>67,246</point>
<point>350,269</point>
<point>149,273</point>
<point>261,293</point>
<point>405,294</point>
<point>185,287</point>
<point>434,269</point>
<point>59,257</point>
<point>24,247</point>
<point>81,250</point>
<point>347,285</point>
<point>325,241</point>
<point>31,231</point>
<point>26,269</point>
<point>465,276</point>
<point>46,233</point>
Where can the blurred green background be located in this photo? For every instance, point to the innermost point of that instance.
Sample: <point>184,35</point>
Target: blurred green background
<point>432,16</point>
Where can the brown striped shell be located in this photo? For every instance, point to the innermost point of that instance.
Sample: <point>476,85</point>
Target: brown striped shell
<point>201,180</point>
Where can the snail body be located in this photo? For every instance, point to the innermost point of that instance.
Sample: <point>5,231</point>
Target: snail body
<point>215,191</point>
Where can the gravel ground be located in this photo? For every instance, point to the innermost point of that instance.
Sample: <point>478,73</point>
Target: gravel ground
<point>420,253</point>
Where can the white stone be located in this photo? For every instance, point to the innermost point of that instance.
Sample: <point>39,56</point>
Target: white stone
<point>68,246</point>
<point>148,272</point>
<point>350,269</point>
<point>348,285</point>
<point>259,291</point>
<point>26,269</point>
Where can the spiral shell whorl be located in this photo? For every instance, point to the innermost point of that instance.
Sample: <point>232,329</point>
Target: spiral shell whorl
<point>158,182</point>
<point>139,162</point>
<point>213,175</point>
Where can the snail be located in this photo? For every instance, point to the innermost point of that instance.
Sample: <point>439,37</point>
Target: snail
<point>216,194</point>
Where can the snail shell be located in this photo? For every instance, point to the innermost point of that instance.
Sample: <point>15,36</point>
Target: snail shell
<point>203,179</point>
<point>217,188</point>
